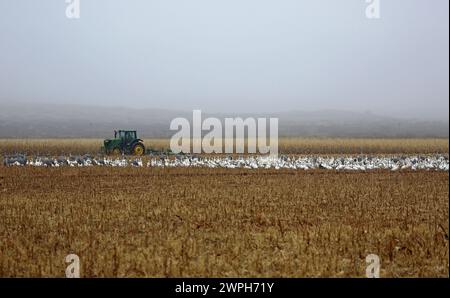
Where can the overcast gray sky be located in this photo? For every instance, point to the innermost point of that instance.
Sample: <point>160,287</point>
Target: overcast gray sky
<point>229,55</point>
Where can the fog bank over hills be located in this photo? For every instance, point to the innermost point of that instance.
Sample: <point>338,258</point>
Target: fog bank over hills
<point>71,121</point>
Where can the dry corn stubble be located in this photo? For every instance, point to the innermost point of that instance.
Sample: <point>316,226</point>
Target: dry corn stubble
<point>220,223</point>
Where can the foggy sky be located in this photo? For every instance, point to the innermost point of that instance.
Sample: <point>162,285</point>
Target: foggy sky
<point>229,55</point>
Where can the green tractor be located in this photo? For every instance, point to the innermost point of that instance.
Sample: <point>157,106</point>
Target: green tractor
<point>124,142</point>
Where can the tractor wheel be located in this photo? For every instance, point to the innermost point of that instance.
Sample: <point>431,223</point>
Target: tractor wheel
<point>139,149</point>
<point>116,151</point>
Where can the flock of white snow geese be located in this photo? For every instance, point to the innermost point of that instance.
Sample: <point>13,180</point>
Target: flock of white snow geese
<point>350,163</point>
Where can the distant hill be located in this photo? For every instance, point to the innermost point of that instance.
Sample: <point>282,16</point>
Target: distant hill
<point>46,121</point>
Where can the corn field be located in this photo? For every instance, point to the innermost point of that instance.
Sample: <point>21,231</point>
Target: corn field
<point>154,222</point>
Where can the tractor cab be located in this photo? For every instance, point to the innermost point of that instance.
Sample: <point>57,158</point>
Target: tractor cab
<point>124,142</point>
<point>125,134</point>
